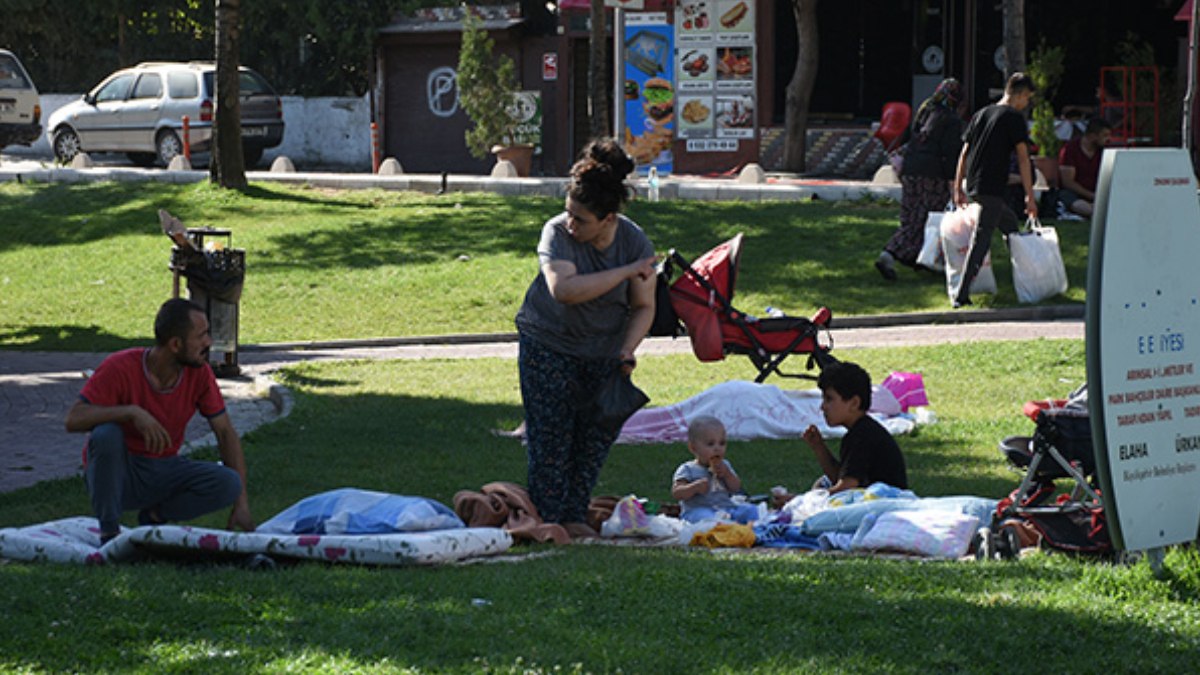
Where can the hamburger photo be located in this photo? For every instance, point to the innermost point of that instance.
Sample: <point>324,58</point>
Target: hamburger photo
<point>660,99</point>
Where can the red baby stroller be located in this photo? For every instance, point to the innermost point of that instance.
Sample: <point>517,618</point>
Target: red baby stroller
<point>702,298</point>
<point>1060,448</point>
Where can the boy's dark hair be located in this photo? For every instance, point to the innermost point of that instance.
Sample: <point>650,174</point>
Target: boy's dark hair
<point>1096,124</point>
<point>1019,82</point>
<point>174,320</point>
<point>848,380</point>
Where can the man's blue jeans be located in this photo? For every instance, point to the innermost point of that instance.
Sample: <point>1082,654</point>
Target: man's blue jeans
<point>176,487</point>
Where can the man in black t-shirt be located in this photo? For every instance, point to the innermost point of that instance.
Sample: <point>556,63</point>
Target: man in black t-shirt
<point>994,133</point>
<point>869,454</point>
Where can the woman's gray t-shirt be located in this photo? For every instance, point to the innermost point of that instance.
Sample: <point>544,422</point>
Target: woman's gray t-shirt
<point>592,329</point>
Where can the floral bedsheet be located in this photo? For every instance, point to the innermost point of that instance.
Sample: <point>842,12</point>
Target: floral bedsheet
<point>77,540</point>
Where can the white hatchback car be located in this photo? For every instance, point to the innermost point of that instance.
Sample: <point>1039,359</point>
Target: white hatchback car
<point>20,107</point>
<point>140,111</point>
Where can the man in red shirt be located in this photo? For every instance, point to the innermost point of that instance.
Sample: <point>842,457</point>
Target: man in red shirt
<point>136,407</point>
<point>1079,167</point>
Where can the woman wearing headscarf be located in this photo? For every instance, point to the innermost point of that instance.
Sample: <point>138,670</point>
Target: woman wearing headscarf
<point>930,158</point>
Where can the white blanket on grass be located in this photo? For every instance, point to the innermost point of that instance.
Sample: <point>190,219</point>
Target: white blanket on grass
<point>749,410</point>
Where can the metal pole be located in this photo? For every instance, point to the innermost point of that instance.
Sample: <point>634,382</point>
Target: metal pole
<point>1189,99</point>
<point>618,76</point>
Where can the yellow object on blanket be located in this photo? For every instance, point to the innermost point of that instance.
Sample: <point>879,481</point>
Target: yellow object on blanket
<point>725,535</point>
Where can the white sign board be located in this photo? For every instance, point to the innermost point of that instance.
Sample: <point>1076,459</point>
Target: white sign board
<point>1143,346</point>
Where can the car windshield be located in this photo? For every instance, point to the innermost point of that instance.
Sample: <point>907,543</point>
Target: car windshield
<point>115,89</point>
<point>11,75</point>
<point>250,83</point>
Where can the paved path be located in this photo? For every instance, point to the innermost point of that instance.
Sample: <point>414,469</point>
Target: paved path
<point>37,388</point>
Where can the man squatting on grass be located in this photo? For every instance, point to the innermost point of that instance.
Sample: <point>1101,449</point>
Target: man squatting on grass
<point>994,133</point>
<point>136,407</point>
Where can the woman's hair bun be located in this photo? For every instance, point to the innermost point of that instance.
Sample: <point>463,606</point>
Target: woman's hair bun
<point>608,151</point>
<point>598,178</point>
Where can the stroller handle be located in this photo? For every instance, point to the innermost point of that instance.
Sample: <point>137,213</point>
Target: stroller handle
<point>822,316</point>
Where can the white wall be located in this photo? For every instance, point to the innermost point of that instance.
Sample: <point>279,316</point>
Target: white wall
<point>322,131</point>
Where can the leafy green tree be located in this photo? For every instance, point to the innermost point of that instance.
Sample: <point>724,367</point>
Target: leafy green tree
<point>315,47</point>
<point>486,85</point>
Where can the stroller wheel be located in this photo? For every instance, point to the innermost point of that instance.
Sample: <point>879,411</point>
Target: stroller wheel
<point>985,548</point>
<point>1009,544</point>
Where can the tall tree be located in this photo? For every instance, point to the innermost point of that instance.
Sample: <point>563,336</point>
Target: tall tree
<point>799,89</point>
<point>1014,37</point>
<point>227,167</point>
<point>597,68</point>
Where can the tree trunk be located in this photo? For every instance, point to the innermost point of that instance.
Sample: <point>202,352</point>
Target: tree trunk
<point>597,68</point>
<point>227,167</point>
<point>1014,37</point>
<point>799,89</point>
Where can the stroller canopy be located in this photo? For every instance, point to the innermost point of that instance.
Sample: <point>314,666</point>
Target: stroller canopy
<point>702,299</point>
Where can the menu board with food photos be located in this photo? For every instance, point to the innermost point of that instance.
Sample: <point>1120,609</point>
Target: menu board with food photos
<point>715,71</point>
<point>649,89</point>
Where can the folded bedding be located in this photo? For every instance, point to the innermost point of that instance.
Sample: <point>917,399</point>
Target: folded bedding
<point>847,519</point>
<point>340,526</point>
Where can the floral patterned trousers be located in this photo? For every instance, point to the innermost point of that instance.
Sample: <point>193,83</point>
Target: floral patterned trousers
<point>565,450</point>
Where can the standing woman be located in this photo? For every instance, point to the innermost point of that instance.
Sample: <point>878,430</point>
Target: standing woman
<point>930,159</point>
<point>591,303</point>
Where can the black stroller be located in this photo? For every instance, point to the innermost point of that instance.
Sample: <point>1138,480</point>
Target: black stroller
<point>1060,448</point>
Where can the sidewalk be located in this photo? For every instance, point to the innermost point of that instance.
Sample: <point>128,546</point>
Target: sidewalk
<point>37,388</point>
<point>682,187</point>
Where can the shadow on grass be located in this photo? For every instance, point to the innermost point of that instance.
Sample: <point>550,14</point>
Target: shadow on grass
<point>66,337</point>
<point>72,213</point>
<point>601,608</point>
<point>432,229</point>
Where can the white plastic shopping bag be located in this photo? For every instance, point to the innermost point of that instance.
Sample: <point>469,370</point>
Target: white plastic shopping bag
<point>1038,271</point>
<point>958,227</point>
<point>931,248</point>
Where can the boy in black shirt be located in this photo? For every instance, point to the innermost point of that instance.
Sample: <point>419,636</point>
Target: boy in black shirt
<point>994,133</point>
<point>869,454</point>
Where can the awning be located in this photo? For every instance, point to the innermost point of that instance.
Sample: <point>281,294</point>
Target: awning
<point>424,27</point>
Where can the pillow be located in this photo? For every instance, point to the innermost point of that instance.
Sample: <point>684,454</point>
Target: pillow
<point>354,511</point>
<point>940,534</point>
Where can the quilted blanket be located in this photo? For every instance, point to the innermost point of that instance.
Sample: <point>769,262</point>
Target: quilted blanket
<point>77,540</point>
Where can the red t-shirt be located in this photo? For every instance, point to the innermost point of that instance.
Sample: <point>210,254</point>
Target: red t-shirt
<point>1087,170</point>
<point>122,380</point>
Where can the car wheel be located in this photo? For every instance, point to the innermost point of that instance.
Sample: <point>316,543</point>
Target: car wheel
<point>66,144</point>
<point>168,145</point>
<point>141,158</point>
<point>251,156</point>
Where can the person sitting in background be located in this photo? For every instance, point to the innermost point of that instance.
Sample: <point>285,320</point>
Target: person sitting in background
<point>1079,167</point>
<point>705,486</point>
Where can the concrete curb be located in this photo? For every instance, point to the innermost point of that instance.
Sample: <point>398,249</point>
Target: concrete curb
<point>694,188</point>
<point>1040,313</point>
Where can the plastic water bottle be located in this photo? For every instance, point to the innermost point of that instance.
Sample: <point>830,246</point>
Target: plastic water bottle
<point>652,179</point>
<point>773,312</point>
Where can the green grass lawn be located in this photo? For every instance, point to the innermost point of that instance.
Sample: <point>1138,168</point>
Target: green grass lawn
<point>424,427</point>
<point>84,266</point>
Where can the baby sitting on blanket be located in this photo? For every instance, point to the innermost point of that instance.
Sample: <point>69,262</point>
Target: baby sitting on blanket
<point>706,485</point>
